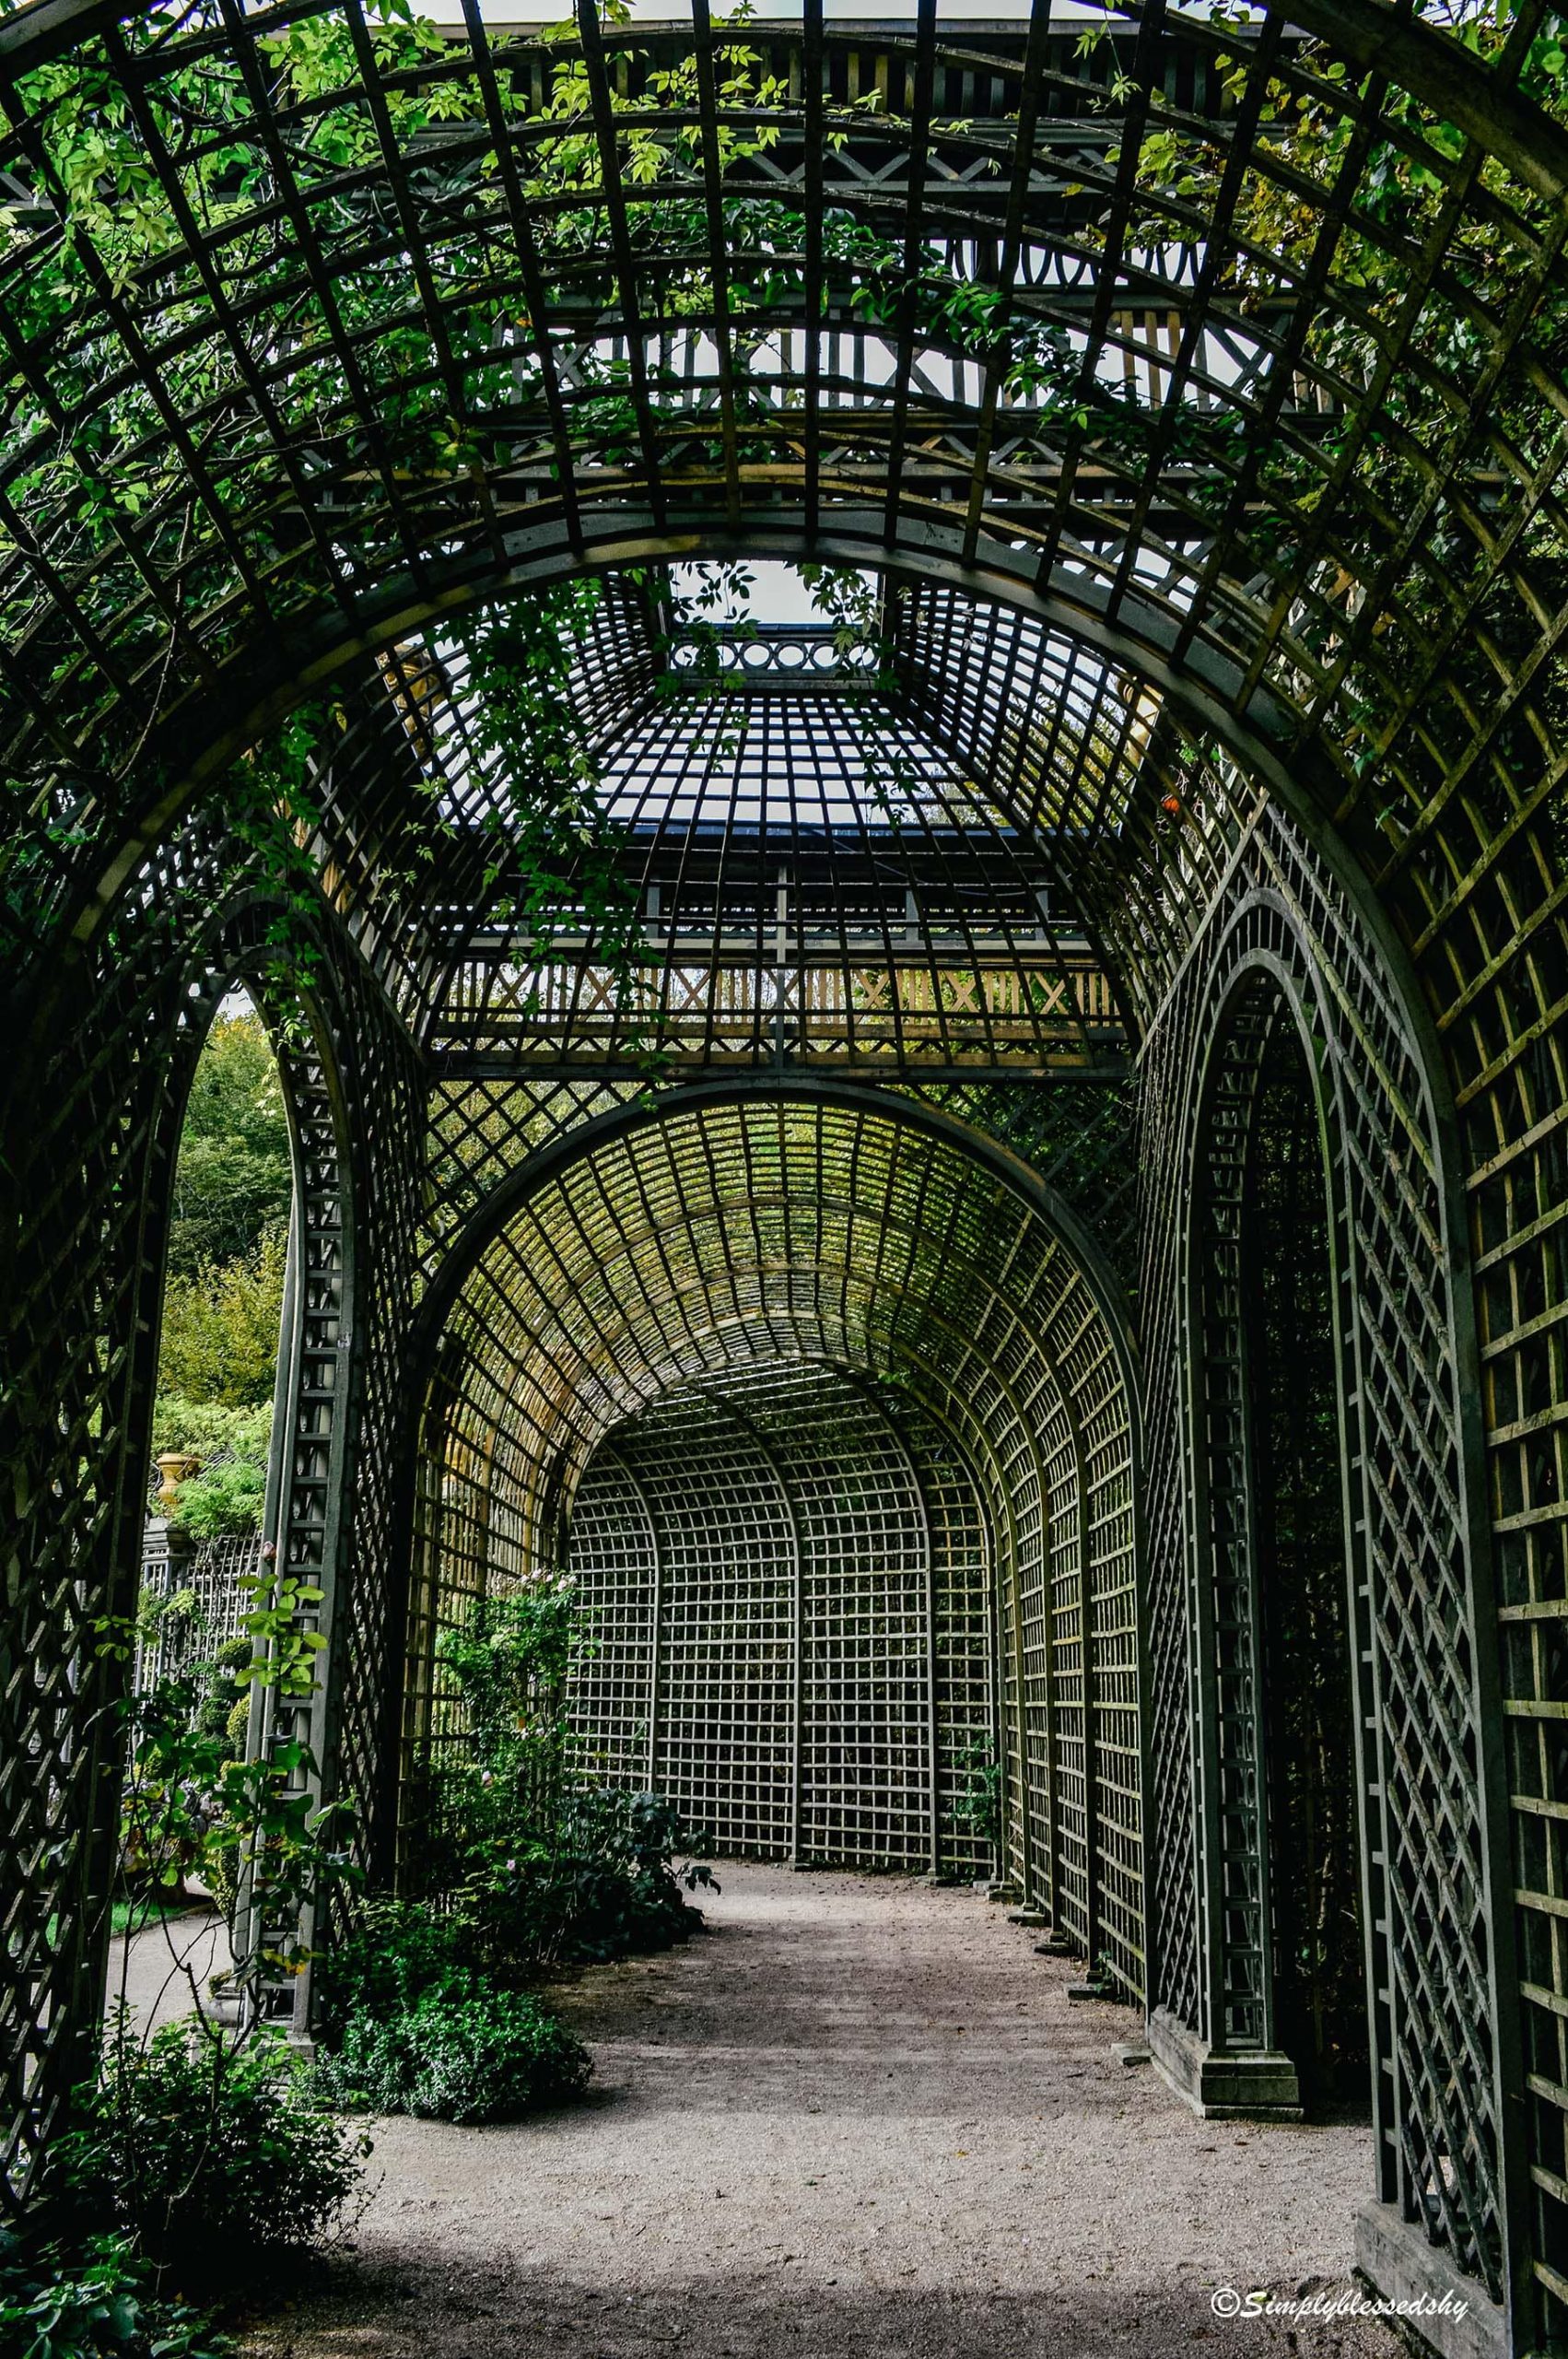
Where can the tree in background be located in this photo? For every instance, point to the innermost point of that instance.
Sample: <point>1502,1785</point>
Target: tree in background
<point>227,1248</point>
<point>234,1177</point>
<point>220,1329</point>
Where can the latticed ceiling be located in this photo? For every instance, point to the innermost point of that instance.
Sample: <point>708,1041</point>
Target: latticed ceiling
<point>780,1227</point>
<point>809,874</point>
<point>390,320</point>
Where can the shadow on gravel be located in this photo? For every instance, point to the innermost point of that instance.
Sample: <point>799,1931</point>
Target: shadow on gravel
<point>379,2311</point>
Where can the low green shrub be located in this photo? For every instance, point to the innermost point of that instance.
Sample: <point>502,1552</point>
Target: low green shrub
<point>203,2154</point>
<point>602,1885</point>
<point>226,1496</point>
<point>427,2009</point>
<point>99,2302</point>
<point>481,2056</point>
<point>398,1953</point>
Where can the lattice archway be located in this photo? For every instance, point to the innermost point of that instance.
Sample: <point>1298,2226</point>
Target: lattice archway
<point>1297,585</point>
<point>103,1263</point>
<point>1430,1758</point>
<point>790,1582</point>
<point>1266,1091</point>
<point>730,1232</point>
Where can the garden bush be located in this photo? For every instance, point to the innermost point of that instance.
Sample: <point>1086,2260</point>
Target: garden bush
<point>548,1868</point>
<point>425,2007</point>
<point>482,2056</point>
<point>598,1882</point>
<point>100,2303</point>
<point>397,1951</point>
<point>204,2153</point>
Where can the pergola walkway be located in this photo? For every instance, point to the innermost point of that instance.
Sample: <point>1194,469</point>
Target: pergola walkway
<point>862,2118</point>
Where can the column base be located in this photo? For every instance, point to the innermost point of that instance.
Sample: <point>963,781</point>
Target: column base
<point>1397,2262</point>
<point>1256,2084</point>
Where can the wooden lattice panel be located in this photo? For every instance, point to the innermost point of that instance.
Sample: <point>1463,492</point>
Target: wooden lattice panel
<point>789,1593</point>
<point>1433,1829</point>
<point>700,1243</point>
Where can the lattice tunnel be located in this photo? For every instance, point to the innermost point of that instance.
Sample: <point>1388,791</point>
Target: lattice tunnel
<point>1215,509</point>
<point>822,1598</point>
<point>788,1585</point>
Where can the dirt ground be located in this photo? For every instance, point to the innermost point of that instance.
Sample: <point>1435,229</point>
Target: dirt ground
<point>857,2119</point>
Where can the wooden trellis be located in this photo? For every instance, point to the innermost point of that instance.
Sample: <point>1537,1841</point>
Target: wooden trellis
<point>1220,527</point>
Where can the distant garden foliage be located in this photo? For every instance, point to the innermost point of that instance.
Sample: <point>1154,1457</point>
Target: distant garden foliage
<point>227,1248</point>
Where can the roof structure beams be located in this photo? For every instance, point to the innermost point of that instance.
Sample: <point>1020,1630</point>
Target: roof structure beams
<point>301,503</point>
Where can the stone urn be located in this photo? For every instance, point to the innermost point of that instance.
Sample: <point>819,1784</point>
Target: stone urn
<point>173,1466</point>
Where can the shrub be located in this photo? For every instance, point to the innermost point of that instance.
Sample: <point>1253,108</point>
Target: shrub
<point>543,1869</point>
<point>203,2153</point>
<point>397,1955</point>
<point>208,1429</point>
<point>602,1884</point>
<point>224,1502</point>
<point>54,2305</point>
<point>422,2008</point>
<point>226,1498</point>
<point>486,2056</point>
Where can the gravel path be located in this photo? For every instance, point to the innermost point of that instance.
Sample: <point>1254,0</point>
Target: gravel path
<point>171,1963</point>
<point>857,2117</point>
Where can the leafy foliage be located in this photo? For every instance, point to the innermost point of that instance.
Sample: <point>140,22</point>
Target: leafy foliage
<point>196,2142</point>
<point>227,1495</point>
<point>421,2013</point>
<point>587,1876</point>
<point>235,1174</point>
<point>551,863</point>
<point>544,1865</point>
<point>227,1256</point>
<point>977,1804</point>
<point>1314,110</point>
<point>189,1808</point>
<point>486,2056</point>
<point>208,1428</point>
<point>103,2300</point>
<point>398,1953</point>
<point>206,2156</point>
<point>224,1501</point>
<point>510,1661</point>
<point>424,2005</point>
<point>220,1327</point>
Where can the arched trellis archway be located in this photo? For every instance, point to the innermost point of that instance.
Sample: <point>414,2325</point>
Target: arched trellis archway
<point>1431,1762</point>
<point>60,1685</point>
<point>1340,670</point>
<point>728,1230</point>
<point>862,1568</point>
<point>1260,1100</point>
